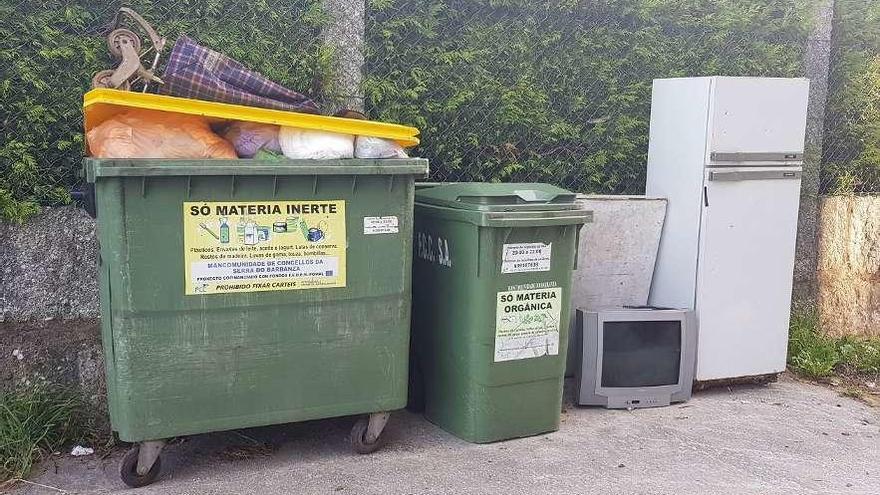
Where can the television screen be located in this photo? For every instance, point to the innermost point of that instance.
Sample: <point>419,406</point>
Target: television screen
<point>640,353</point>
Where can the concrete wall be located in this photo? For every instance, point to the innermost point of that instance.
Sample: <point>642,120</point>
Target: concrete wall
<point>48,267</point>
<point>58,352</point>
<point>49,327</point>
<point>849,265</point>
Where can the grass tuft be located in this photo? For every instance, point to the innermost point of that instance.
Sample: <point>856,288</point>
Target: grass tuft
<point>815,355</point>
<point>810,352</point>
<point>861,355</point>
<point>34,423</point>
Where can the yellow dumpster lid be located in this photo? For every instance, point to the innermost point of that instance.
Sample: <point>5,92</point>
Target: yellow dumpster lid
<point>101,104</point>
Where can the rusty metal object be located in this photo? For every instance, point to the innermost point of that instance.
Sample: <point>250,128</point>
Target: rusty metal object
<point>103,79</point>
<point>125,46</point>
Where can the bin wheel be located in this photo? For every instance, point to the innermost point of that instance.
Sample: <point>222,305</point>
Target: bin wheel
<point>128,469</point>
<point>359,440</point>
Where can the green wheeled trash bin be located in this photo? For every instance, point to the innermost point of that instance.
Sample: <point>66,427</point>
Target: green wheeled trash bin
<point>492,272</point>
<point>239,293</point>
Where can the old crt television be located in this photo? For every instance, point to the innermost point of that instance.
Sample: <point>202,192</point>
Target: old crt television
<point>636,357</point>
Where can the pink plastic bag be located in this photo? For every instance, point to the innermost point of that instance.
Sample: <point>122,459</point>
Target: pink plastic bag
<point>250,137</point>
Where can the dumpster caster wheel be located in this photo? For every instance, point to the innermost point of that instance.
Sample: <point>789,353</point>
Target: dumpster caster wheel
<point>129,473</point>
<point>365,439</point>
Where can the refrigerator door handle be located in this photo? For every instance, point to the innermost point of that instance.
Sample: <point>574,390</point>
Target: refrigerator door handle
<point>756,156</point>
<point>757,174</point>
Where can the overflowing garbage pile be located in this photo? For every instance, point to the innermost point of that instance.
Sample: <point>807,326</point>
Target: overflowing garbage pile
<point>212,106</point>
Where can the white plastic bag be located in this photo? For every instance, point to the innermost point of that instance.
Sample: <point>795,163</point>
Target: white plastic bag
<point>374,147</point>
<point>305,143</point>
<point>250,137</point>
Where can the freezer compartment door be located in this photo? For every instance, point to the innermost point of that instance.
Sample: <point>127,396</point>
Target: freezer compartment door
<point>744,274</point>
<point>757,121</point>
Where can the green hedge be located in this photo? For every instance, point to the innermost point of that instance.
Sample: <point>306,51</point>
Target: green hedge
<point>852,120</point>
<point>509,90</point>
<point>502,89</point>
<point>49,50</point>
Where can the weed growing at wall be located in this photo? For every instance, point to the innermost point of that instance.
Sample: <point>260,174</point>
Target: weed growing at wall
<point>35,422</point>
<point>816,355</point>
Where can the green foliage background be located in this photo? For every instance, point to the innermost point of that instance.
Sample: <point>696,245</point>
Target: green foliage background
<point>554,91</point>
<point>851,161</point>
<point>560,91</point>
<point>49,50</point>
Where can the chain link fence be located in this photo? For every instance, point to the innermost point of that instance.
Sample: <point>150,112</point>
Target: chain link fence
<point>851,151</point>
<point>558,91</point>
<point>502,90</point>
<point>50,49</point>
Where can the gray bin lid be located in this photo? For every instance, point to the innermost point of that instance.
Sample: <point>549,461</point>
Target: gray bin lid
<point>486,196</point>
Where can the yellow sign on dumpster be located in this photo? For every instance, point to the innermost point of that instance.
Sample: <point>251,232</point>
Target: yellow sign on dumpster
<point>263,245</point>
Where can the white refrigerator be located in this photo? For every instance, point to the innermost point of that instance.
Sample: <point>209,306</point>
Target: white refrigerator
<point>727,153</point>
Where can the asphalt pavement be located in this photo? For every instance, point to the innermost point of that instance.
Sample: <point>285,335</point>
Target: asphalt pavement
<point>785,438</point>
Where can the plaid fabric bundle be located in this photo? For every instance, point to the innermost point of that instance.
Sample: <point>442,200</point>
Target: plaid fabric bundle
<point>194,71</point>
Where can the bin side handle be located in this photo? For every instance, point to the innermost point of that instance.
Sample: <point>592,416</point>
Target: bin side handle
<point>479,248</point>
<point>536,222</point>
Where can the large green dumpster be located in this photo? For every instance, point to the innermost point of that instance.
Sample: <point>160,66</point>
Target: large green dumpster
<point>239,293</point>
<point>490,306</point>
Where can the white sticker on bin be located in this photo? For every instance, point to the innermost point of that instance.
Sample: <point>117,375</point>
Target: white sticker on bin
<point>381,225</point>
<point>526,257</point>
<point>527,323</point>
